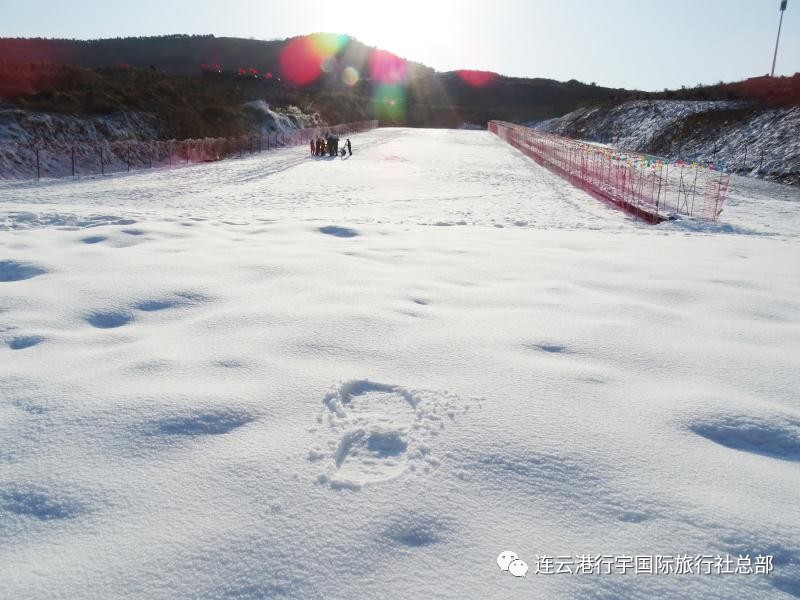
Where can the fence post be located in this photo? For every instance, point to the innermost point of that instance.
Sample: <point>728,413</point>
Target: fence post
<point>744,165</point>
<point>282,139</point>
<point>760,162</point>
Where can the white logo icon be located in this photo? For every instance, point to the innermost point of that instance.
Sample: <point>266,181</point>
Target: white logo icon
<point>518,568</point>
<point>506,558</point>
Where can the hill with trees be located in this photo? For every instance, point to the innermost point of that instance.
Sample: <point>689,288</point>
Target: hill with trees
<point>198,84</point>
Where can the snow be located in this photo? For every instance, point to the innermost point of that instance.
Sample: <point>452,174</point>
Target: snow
<point>747,139</point>
<point>57,136</point>
<point>292,377</point>
<point>289,119</point>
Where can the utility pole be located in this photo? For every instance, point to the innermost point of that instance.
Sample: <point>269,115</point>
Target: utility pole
<point>780,23</point>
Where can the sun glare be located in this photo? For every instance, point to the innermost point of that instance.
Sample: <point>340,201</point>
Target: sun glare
<point>428,32</point>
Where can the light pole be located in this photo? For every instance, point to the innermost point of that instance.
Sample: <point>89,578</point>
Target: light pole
<point>780,23</point>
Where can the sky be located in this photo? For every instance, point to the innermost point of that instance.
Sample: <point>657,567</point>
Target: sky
<point>619,43</point>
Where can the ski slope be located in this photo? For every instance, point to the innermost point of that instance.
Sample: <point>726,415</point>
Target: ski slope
<point>288,377</point>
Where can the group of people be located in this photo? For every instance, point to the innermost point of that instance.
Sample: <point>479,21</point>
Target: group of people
<point>330,145</point>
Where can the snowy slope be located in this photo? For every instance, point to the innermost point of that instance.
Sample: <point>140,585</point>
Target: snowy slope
<point>55,135</point>
<point>288,377</point>
<point>745,139</point>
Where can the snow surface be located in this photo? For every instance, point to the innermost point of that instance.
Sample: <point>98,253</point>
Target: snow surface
<point>288,377</point>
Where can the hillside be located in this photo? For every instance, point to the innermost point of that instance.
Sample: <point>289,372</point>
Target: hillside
<point>201,86</point>
<point>744,137</point>
<point>197,84</point>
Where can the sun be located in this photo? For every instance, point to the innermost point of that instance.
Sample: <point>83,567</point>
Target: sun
<point>418,31</point>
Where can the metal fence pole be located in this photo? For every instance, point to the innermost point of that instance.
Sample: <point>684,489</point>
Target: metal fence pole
<point>102,165</point>
<point>38,171</point>
<point>73,162</point>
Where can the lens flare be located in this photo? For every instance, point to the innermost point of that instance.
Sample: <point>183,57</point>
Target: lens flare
<point>350,76</point>
<point>387,68</point>
<point>477,78</point>
<point>389,102</point>
<point>329,64</point>
<point>328,44</point>
<point>302,59</point>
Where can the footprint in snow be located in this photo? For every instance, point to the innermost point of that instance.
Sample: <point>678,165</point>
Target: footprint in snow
<point>417,530</point>
<point>31,501</point>
<point>27,341</point>
<point>109,320</point>
<point>94,239</point>
<point>215,422</point>
<point>550,348</point>
<point>776,437</point>
<point>377,432</point>
<point>178,300</point>
<point>11,270</point>
<point>342,232</point>
<point>193,423</point>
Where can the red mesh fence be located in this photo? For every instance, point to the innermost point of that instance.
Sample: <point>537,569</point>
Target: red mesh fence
<point>58,159</point>
<point>649,187</point>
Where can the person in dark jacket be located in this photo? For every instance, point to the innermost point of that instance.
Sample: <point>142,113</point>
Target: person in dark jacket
<point>349,147</point>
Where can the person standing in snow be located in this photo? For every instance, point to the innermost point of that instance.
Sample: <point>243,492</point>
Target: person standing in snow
<point>312,147</point>
<point>349,147</point>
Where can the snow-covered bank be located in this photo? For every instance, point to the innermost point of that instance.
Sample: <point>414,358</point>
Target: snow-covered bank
<point>56,136</point>
<point>287,120</point>
<point>746,139</point>
<point>310,378</point>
